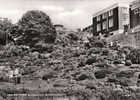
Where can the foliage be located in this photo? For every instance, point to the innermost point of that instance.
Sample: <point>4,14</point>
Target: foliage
<point>128,63</point>
<point>36,25</point>
<point>73,36</point>
<point>95,42</point>
<point>127,74</point>
<point>91,60</point>
<point>117,62</point>
<point>49,75</point>
<point>5,25</point>
<point>134,56</point>
<point>11,50</point>
<point>5,29</point>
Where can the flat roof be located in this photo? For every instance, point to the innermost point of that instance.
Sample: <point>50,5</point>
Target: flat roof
<point>135,4</point>
<point>111,7</point>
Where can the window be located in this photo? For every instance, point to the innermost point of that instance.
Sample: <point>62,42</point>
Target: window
<point>125,10</point>
<point>104,25</point>
<point>98,27</point>
<point>98,18</point>
<point>111,22</point>
<point>110,12</point>
<point>104,15</point>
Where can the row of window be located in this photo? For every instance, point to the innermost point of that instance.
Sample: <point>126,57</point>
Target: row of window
<point>104,15</point>
<point>105,24</point>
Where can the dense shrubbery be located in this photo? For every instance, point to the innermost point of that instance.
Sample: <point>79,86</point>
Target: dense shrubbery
<point>95,42</point>
<point>13,50</point>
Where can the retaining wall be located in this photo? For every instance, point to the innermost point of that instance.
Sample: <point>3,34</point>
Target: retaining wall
<point>131,39</point>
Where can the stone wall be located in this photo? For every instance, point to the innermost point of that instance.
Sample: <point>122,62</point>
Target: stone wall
<point>40,97</point>
<point>131,39</point>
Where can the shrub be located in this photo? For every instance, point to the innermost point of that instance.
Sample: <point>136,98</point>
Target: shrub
<point>49,75</point>
<point>95,42</point>
<point>61,83</point>
<point>84,76</point>
<point>102,65</point>
<point>73,36</point>
<point>101,74</point>
<point>127,74</point>
<point>99,43</point>
<point>128,63</point>
<point>134,56</point>
<point>117,62</point>
<point>105,52</point>
<point>91,60</point>
<point>11,50</point>
<point>5,28</point>
<point>94,51</point>
<point>41,47</point>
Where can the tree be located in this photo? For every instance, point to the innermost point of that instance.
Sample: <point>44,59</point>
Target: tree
<point>5,28</point>
<point>36,26</point>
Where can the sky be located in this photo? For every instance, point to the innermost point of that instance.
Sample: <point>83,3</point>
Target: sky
<point>70,13</point>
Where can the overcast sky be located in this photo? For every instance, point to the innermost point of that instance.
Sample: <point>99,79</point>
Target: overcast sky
<point>71,13</point>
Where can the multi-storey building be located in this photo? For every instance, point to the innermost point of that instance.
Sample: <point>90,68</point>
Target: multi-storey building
<point>112,19</point>
<point>135,15</point>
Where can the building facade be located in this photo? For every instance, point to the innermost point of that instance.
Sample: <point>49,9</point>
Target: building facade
<point>112,19</point>
<point>135,15</point>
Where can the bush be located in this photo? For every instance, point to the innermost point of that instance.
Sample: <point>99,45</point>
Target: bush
<point>99,43</point>
<point>94,51</point>
<point>101,74</point>
<point>134,56</point>
<point>36,26</point>
<point>95,42</point>
<point>102,65</point>
<point>91,60</point>
<point>49,75</point>
<point>127,74</point>
<point>128,63</point>
<point>5,29</point>
<point>41,47</point>
<point>73,36</point>
<point>61,83</point>
<point>11,50</point>
<point>105,52</point>
<point>83,76</point>
<point>117,62</point>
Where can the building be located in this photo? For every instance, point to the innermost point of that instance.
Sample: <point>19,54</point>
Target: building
<point>135,15</point>
<point>111,19</point>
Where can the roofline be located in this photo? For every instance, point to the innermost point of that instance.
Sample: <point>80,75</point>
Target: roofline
<point>135,4</point>
<point>132,2</point>
<point>110,7</point>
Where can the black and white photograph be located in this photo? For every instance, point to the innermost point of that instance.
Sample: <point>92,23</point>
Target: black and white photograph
<point>69,49</point>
